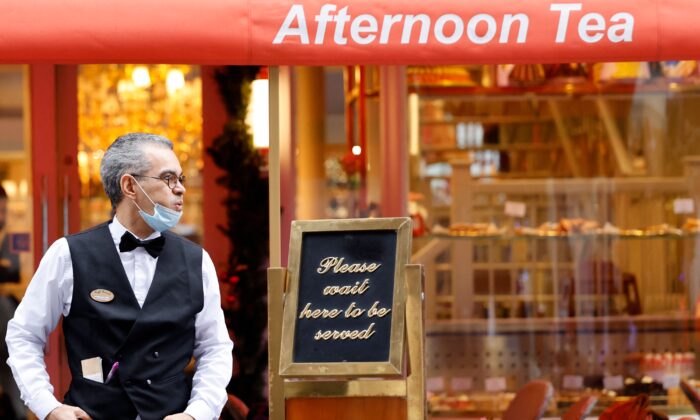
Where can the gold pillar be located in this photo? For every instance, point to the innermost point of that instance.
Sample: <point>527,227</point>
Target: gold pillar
<point>309,122</point>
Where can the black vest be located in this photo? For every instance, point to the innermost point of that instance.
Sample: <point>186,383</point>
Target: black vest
<point>153,344</point>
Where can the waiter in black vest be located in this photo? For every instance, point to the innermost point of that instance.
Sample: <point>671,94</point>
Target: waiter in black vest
<point>137,303</point>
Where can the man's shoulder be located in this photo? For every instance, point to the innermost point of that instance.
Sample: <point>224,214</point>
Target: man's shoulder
<point>186,242</point>
<point>88,231</point>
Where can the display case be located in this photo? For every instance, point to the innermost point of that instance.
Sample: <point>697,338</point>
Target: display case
<point>533,265</point>
<point>520,299</point>
<point>561,243</point>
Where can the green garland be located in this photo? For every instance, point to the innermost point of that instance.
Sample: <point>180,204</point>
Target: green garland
<point>247,227</point>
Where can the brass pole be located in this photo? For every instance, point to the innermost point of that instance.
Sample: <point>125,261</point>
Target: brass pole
<point>276,280</point>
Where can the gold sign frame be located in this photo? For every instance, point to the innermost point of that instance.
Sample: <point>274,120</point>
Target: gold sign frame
<point>394,365</point>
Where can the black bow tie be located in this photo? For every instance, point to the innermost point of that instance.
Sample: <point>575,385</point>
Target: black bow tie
<point>153,246</point>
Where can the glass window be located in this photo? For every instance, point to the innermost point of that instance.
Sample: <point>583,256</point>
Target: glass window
<point>562,205</point>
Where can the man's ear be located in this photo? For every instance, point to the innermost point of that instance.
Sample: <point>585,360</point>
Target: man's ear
<point>128,185</point>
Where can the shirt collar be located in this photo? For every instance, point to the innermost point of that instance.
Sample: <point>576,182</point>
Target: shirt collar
<point>117,230</point>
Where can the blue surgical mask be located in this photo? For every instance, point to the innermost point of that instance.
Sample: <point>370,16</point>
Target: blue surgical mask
<point>162,218</point>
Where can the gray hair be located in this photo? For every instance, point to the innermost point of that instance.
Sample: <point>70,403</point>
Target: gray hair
<point>126,156</point>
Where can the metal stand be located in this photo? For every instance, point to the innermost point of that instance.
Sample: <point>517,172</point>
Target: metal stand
<point>411,387</point>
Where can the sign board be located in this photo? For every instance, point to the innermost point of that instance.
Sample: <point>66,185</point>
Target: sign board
<point>573,382</point>
<point>683,206</point>
<point>321,32</point>
<point>495,384</point>
<point>671,381</point>
<point>20,242</point>
<point>435,384</point>
<point>515,208</point>
<point>461,383</point>
<point>344,315</point>
<point>613,382</point>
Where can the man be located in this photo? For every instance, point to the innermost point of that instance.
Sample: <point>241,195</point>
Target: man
<point>137,303</point>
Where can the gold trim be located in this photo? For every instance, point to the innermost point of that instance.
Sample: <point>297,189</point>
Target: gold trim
<point>276,283</point>
<point>415,325</point>
<point>358,388</point>
<point>394,366</point>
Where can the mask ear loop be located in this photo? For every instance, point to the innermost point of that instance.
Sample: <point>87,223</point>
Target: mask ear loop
<point>146,194</point>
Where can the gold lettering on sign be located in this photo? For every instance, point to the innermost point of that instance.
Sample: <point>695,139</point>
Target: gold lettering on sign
<point>357,289</point>
<point>353,311</point>
<point>345,334</point>
<point>374,311</point>
<point>338,266</point>
<point>318,313</point>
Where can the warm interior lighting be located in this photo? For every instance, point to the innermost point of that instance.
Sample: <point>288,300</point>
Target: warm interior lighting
<point>258,113</point>
<point>10,187</point>
<point>141,77</point>
<point>125,87</point>
<point>356,150</point>
<point>23,188</point>
<point>414,125</point>
<point>174,81</point>
<point>114,99</point>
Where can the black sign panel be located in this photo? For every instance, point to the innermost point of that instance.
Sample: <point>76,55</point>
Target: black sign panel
<point>346,293</point>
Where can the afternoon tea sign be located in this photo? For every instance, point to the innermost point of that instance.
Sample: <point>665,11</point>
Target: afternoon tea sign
<point>344,312</point>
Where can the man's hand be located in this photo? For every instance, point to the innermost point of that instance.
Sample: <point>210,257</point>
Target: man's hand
<point>179,416</point>
<point>67,412</point>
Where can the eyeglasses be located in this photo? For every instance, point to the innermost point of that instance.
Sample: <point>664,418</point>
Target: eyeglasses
<point>170,180</point>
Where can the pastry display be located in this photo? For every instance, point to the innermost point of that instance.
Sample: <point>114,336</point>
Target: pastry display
<point>691,225</point>
<point>569,227</point>
<point>475,229</point>
<point>443,402</point>
<point>550,229</point>
<point>578,226</point>
<point>662,229</point>
<point>564,227</point>
<point>460,402</point>
<point>609,229</point>
<point>631,232</point>
<point>525,231</point>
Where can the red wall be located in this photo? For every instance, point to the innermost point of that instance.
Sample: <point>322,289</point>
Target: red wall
<point>214,117</point>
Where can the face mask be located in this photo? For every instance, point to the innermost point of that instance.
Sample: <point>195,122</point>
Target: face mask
<point>162,218</point>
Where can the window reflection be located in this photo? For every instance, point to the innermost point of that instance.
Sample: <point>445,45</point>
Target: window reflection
<point>561,204</point>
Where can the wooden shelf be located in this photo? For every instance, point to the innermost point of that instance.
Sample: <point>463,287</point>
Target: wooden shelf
<point>488,119</point>
<point>510,237</point>
<point>505,147</point>
<point>523,265</point>
<point>658,86</point>
<point>516,298</point>
<point>670,322</point>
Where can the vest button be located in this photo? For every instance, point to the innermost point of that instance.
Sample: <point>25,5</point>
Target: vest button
<point>155,354</point>
<point>148,381</point>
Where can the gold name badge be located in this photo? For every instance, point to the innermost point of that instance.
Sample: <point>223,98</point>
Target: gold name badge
<point>102,295</point>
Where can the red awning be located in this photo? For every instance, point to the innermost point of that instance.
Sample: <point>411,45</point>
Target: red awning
<point>278,32</point>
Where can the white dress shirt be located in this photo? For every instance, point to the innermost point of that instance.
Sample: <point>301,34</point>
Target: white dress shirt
<point>49,296</point>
